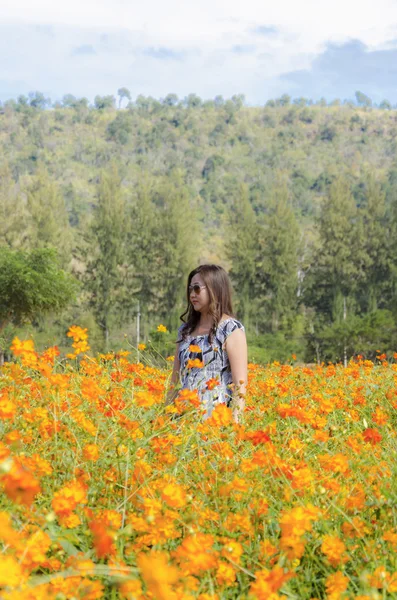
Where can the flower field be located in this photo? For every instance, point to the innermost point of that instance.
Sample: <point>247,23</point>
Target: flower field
<point>106,493</point>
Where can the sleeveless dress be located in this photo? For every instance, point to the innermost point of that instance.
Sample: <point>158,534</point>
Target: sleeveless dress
<point>216,365</point>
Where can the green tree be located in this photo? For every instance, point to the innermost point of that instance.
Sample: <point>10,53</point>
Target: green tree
<point>375,288</point>
<point>31,283</point>
<point>38,100</point>
<point>122,93</point>
<point>104,102</point>
<point>338,263</point>
<point>362,99</point>
<point>14,217</point>
<point>241,249</point>
<point>171,100</point>
<point>48,215</point>
<point>105,253</point>
<point>165,244</point>
<point>277,280</point>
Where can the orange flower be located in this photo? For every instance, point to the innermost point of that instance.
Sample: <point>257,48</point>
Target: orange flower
<point>212,383</point>
<point>195,348</point>
<point>25,349</point>
<point>232,550</point>
<point>196,553</point>
<point>19,483</point>
<point>103,538</point>
<point>194,363</point>
<point>379,416</point>
<point>379,578</point>
<point>174,495</point>
<point>302,478</point>
<point>268,583</point>
<point>8,408</point>
<point>334,549</point>
<point>91,452</point>
<point>372,436</point>
<point>158,575</point>
<point>336,583</point>
<point>258,437</point>
<point>77,333</point>
<point>69,497</point>
<point>221,416</point>
<point>225,574</point>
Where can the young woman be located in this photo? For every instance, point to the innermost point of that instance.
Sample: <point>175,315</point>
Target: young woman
<point>211,349</point>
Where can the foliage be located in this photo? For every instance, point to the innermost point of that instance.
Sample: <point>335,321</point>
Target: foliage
<point>31,283</point>
<point>314,184</point>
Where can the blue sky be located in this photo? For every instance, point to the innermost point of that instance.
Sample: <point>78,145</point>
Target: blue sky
<point>261,49</point>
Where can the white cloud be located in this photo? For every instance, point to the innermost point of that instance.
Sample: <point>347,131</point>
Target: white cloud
<point>181,21</point>
<point>127,42</point>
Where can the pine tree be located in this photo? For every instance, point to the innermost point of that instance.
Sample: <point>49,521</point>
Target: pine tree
<point>166,245</point>
<point>278,251</point>
<point>338,265</point>
<point>48,215</point>
<point>241,249</point>
<point>14,216</point>
<point>375,288</point>
<point>107,259</point>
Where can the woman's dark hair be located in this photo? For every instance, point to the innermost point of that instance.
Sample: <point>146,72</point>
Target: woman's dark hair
<point>220,294</point>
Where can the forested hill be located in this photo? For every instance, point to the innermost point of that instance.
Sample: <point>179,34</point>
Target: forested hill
<point>206,181</point>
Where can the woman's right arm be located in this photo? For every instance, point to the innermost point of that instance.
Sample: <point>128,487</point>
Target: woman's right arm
<point>174,378</point>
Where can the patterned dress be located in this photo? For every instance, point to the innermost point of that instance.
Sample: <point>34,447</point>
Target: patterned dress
<point>216,365</point>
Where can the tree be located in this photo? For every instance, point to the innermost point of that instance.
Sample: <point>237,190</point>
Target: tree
<point>375,289</point>
<point>301,101</point>
<point>48,215</point>
<point>193,101</point>
<point>170,100</point>
<point>277,269</point>
<point>69,101</point>
<point>338,264</point>
<point>106,256</point>
<point>238,100</point>
<point>31,283</point>
<point>284,100</point>
<point>14,216</point>
<point>38,100</point>
<point>362,99</point>
<point>123,93</point>
<point>104,102</point>
<point>164,245</point>
<point>385,105</point>
<point>241,249</point>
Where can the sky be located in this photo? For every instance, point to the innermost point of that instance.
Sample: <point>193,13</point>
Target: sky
<point>262,49</point>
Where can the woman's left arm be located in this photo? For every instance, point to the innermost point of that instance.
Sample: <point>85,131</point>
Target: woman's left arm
<point>236,348</point>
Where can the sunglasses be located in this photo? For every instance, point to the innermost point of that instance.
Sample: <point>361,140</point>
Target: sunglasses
<point>196,288</point>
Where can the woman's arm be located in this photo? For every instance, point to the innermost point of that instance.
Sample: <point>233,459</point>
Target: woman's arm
<point>174,378</point>
<point>236,348</point>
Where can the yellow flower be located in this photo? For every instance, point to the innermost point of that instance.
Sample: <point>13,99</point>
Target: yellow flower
<point>141,347</point>
<point>10,571</point>
<point>162,328</point>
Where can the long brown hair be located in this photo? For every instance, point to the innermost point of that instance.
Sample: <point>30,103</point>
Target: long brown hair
<point>220,294</point>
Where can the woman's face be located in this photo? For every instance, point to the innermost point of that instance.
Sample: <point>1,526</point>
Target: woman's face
<point>200,299</point>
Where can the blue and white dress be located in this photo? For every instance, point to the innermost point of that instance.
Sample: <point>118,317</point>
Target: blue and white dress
<point>216,365</point>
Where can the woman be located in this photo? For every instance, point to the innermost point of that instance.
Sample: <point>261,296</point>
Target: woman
<point>211,349</point>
